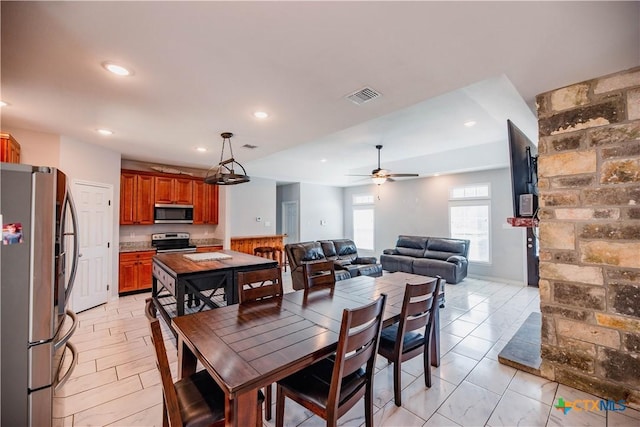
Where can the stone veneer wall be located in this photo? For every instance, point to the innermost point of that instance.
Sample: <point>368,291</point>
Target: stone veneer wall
<point>589,181</point>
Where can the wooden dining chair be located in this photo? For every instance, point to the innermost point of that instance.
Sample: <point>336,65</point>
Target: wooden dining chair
<point>332,386</point>
<point>320,273</point>
<point>193,401</point>
<point>260,285</point>
<point>411,335</point>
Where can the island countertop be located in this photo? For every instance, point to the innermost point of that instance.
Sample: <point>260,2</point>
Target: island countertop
<point>181,265</point>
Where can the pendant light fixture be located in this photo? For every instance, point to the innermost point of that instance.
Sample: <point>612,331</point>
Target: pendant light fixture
<point>224,173</point>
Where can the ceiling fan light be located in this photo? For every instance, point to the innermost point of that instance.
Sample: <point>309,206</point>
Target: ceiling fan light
<point>379,180</point>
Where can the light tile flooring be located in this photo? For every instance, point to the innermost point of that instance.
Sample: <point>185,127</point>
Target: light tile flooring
<point>116,382</point>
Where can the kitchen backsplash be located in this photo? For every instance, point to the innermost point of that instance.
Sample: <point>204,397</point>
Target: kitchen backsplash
<point>142,233</point>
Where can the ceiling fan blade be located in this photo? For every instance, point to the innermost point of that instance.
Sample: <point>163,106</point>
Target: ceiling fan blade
<point>357,175</point>
<point>402,175</point>
<point>389,179</point>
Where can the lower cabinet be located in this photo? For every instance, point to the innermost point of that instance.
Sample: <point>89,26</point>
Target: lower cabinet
<point>135,271</point>
<point>208,248</point>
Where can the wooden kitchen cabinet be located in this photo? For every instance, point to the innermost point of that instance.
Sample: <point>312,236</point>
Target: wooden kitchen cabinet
<point>173,190</point>
<point>9,149</point>
<point>136,198</point>
<point>135,271</point>
<point>205,203</point>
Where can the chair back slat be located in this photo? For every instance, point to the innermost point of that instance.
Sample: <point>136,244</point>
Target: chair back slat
<point>320,273</point>
<point>162,362</point>
<point>259,284</point>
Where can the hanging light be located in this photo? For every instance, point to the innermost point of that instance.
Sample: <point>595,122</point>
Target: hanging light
<point>224,173</point>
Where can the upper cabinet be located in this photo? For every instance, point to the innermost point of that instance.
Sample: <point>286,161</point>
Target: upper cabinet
<point>136,198</point>
<point>205,203</point>
<point>10,149</point>
<point>174,190</point>
<point>140,191</point>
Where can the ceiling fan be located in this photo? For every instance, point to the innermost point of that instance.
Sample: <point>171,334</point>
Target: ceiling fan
<point>380,176</point>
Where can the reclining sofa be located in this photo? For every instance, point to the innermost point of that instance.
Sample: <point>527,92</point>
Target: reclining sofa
<point>342,252</point>
<point>428,256</point>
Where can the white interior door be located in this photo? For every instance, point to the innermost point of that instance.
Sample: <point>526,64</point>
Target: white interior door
<point>290,221</point>
<point>93,203</point>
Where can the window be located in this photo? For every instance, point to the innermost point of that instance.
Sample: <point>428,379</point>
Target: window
<point>363,221</point>
<point>469,213</point>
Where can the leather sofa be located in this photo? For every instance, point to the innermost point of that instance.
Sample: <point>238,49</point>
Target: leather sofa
<point>342,252</point>
<point>428,256</point>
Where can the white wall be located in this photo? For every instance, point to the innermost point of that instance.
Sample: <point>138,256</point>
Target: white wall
<point>37,148</point>
<point>320,203</point>
<point>248,201</point>
<point>421,207</point>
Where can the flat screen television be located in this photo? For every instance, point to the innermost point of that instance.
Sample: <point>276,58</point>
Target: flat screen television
<point>523,156</point>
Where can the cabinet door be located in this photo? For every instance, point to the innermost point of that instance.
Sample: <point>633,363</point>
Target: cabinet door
<point>199,201</point>
<point>145,271</point>
<point>183,191</point>
<point>9,150</point>
<point>128,276</point>
<point>211,204</point>
<point>127,197</point>
<point>145,190</point>
<point>164,189</point>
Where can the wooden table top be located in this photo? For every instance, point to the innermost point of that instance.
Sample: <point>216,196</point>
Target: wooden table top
<point>250,346</point>
<point>181,265</point>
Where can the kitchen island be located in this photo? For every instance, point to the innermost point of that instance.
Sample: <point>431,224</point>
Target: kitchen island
<point>212,283</point>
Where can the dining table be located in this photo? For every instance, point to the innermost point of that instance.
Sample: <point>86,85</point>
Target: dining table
<point>245,347</point>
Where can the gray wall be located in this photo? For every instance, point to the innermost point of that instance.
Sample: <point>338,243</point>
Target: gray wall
<point>321,203</point>
<point>421,207</point>
<point>248,201</point>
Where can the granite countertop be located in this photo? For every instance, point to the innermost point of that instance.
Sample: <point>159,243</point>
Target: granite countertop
<point>206,242</point>
<point>136,246</point>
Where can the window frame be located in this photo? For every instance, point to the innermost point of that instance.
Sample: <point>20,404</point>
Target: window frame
<point>468,201</point>
<point>367,205</point>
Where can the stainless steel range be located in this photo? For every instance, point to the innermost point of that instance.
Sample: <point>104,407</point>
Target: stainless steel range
<point>172,242</point>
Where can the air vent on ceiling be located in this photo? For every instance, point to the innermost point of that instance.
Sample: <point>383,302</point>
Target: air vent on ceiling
<point>249,146</point>
<point>363,95</point>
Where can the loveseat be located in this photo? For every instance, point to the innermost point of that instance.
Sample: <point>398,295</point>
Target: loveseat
<point>342,252</point>
<point>428,256</point>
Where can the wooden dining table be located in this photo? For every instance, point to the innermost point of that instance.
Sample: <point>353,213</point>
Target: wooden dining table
<point>250,346</point>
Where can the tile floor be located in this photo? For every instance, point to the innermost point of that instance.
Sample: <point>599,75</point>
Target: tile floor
<point>116,382</point>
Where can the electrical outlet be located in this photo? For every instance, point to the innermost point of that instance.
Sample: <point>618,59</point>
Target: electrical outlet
<point>132,234</point>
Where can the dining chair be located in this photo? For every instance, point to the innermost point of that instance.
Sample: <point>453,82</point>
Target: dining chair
<point>259,285</point>
<point>320,273</point>
<point>411,335</point>
<point>194,401</point>
<point>332,386</point>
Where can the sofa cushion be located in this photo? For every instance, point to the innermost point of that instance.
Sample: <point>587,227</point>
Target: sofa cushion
<point>413,242</point>
<point>437,255</point>
<point>328,248</point>
<point>453,247</point>
<point>309,251</point>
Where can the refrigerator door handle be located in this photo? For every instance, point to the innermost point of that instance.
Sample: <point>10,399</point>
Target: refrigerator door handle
<point>74,265</point>
<point>59,382</point>
<point>63,340</point>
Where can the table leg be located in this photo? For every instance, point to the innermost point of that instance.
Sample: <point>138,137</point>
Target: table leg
<point>435,339</point>
<point>180,291</point>
<point>243,410</point>
<point>186,360</point>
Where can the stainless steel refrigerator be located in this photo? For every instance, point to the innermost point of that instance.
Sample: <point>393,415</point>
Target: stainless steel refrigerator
<point>39,255</point>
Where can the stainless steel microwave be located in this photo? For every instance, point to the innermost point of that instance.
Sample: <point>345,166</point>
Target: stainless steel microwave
<point>173,214</point>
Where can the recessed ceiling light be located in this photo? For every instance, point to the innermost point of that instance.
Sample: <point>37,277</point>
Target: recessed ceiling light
<point>436,174</point>
<point>104,132</point>
<point>116,69</point>
<point>3,104</point>
<point>470,123</point>
<point>323,160</point>
<point>260,115</point>
<point>201,149</point>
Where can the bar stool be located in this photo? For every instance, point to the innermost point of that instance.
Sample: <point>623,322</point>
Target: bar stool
<point>269,252</point>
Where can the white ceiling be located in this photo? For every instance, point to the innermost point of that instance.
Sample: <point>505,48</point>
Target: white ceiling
<point>202,68</point>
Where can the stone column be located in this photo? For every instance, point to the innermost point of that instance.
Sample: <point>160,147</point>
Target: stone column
<point>589,181</point>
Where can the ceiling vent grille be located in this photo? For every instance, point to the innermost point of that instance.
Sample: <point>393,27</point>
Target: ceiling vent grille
<point>249,146</point>
<point>363,95</point>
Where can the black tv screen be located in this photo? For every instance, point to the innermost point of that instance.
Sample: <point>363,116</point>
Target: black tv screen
<point>524,176</point>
